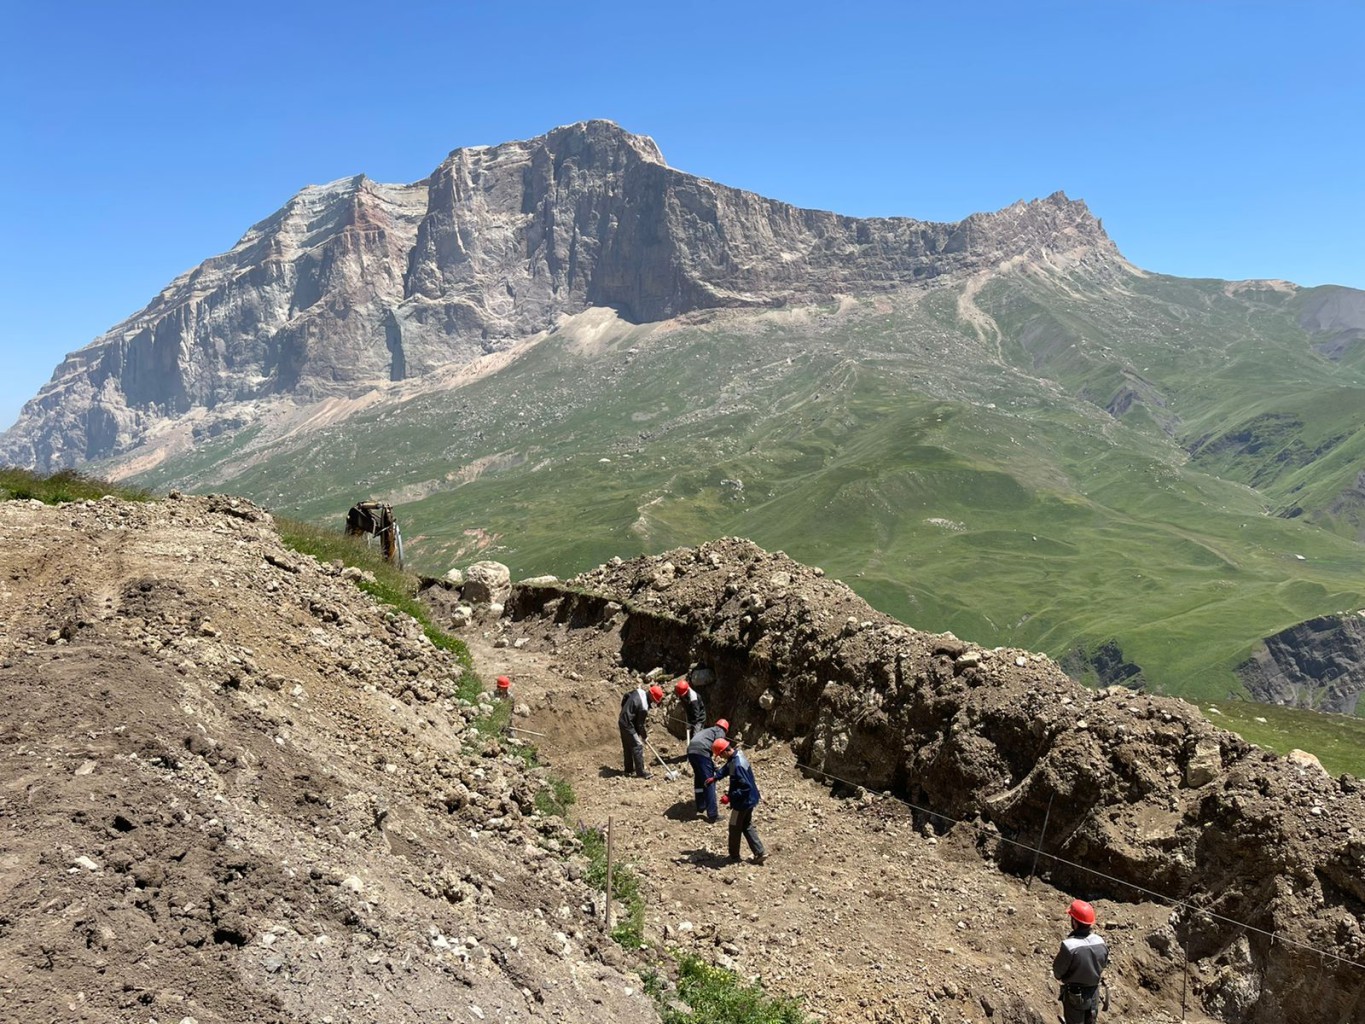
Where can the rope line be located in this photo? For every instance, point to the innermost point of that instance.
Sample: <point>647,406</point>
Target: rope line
<point>1037,851</point>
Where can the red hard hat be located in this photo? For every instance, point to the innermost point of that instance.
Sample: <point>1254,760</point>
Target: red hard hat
<point>680,687</point>
<point>719,747</point>
<point>723,724</point>
<point>656,693</point>
<point>1081,912</point>
<point>504,683</point>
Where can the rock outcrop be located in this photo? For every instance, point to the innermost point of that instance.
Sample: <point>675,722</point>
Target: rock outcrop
<point>1316,664</point>
<point>357,283</point>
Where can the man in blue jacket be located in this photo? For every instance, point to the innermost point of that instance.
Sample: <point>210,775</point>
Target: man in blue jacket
<point>742,798</point>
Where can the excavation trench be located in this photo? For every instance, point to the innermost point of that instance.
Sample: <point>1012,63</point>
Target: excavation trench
<point>1142,797</point>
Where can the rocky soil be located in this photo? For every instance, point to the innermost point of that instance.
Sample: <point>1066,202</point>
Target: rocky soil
<point>234,788</point>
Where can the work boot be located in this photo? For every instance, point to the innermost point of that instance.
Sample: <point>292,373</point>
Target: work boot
<point>644,775</point>
<point>761,859</point>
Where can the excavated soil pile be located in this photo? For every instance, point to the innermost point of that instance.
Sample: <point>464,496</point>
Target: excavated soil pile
<point>1142,797</point>
<point>234,788</point>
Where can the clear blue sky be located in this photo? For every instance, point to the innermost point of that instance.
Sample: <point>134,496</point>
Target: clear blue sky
<point>1215,139</point>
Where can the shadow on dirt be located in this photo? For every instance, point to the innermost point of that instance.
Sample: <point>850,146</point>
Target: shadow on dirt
<point>705,859</point>
<point>683,810</point>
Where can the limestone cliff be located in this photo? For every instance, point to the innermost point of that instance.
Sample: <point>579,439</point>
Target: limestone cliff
<point>356,283</point>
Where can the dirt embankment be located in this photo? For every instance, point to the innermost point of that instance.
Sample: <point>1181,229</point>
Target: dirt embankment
<point>233,788</point>
<point>1140,794</point>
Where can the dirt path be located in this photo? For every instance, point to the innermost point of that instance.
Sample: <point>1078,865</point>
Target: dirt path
<point>857,911</point>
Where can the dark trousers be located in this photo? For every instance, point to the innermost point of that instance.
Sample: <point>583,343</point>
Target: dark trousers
<point>632,752</point>
<point>742,824</point>
<point>1080,1004</point>
<point>704,768</point>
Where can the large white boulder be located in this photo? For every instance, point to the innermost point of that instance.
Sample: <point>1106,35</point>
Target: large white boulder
<point>487,583</point>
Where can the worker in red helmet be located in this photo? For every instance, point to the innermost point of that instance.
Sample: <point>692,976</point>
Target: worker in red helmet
<point>742,798</point>
<point>1078,966</point>
<point>504,688</point>
<point>635,705</point>
<point>704,768</point>
<point>693,707</point>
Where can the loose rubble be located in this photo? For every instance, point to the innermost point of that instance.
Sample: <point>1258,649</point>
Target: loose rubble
<point>233,787</point>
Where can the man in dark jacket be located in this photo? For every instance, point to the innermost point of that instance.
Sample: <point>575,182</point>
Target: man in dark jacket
<point>693,707</point>
<point>742,798</point>
<point>704,769</point>
<point>635,706</point>
<point>1078,966</point>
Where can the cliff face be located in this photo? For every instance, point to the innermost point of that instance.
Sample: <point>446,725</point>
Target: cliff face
<point>1319,664</point>
<point>356,283</point>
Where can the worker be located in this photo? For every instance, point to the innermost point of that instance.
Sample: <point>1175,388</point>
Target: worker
<point>743,797</point>
<point>504,688</point>
<point>1078,966</point>
<point>704,769</point>
<point>635,705</point>
<point>693,707</point>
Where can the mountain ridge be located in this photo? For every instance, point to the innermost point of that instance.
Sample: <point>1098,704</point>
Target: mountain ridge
<point>355,282</point>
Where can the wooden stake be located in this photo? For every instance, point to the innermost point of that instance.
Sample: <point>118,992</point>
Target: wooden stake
<point>609,821</point>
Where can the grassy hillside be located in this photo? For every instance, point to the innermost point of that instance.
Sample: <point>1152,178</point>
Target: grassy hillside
<point>1052,461</point>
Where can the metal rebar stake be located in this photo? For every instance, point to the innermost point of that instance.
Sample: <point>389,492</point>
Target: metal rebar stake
<point>1039,848</point>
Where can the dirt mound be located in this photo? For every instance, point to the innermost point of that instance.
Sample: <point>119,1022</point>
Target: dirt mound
<point>1141,795</point>
<point>232,788</point>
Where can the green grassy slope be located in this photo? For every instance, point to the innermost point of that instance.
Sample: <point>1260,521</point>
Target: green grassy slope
<point>1065,469</point>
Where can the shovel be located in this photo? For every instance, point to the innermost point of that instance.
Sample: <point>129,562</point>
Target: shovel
<point>669,773</point>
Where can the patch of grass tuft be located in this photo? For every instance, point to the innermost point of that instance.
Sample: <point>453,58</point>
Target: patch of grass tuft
<point>717,996</point>
<point>556,797</point>
<point>64,485</point>
<point>630,929</point>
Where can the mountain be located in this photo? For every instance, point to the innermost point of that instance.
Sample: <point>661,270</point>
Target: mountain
<point>556,351</point>
<point>356,283</point>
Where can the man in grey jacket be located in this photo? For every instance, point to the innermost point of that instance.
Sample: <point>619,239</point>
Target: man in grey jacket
<point>1078,965</point>
<point>704,769</point>
<point>632,722</point>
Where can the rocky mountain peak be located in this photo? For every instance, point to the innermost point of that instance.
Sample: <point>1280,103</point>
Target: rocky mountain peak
<point>355,283</point>
<point>594,142</point>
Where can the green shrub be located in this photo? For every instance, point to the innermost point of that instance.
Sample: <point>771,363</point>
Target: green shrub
<point>556,797</point>
<point>717,996</point>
